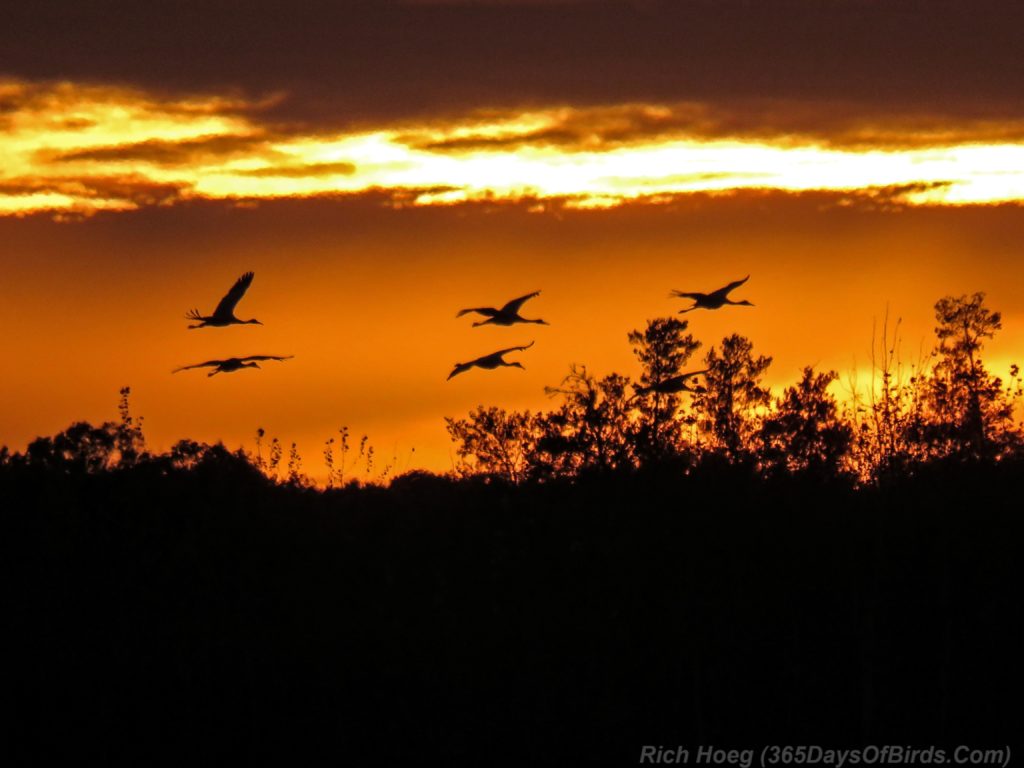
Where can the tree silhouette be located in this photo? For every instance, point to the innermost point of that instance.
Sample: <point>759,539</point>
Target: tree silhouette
<point>805,434</point>
<point>663,349</point>
<point>499,442</point>
<point>887,442</point>
<point>726,410</point>
<point>129,439</point>
<point>187,454</point>
<point>81,448</point>
<point>955,409</point>
<point>592,429</point>
<point>970,414</point>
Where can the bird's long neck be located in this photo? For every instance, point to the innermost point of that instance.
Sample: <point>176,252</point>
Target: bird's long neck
<point>254,321</point>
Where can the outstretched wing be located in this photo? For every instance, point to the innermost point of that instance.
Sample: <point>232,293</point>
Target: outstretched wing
<point>207,364</point>
<point>485,311</point>
<point>732,286</point>
<point>501,352</point>
<point>460,368</point>
<point>513,306</point>
<point>226,308</point>
<point>685,295</point>
<point>266,357</point>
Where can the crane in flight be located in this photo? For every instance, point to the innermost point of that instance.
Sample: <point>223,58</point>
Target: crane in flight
<point>232,364</point>
<point>224,314</point>
<point>674,384</point>
<point>507,315</point>
<point>713,300</point>
<point>490,362</point>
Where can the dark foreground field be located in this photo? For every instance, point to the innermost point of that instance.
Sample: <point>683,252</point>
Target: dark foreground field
<point>205,615</point>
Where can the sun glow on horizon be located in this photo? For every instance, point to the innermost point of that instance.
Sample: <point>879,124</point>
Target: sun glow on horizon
<point>71,149</point>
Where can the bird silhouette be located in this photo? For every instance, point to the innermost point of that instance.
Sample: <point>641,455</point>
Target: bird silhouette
<point>490,362</point>
<point>713,300</point>
<point>224,314</point>
<point>232,364</point>
<point>507,315</point>
<point>674,384</point>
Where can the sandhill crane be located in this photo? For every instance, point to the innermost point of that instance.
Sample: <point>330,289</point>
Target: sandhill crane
<point>713,300</point>
<point>674,384</point>
<point>224,314</point>
<point>233,364</point>
<point>490,362</point>
<point>507,315</point>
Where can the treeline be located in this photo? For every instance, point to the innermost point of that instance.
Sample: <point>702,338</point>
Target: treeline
<point>666,568</point>
<point>951,408</point>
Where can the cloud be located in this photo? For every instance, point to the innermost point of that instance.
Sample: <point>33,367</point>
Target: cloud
<point>303,171</point>
<point>384,61</point>
<point>833,124</point>
<point>169,153</point>
<point>83,148</point>
<point>85,196</point>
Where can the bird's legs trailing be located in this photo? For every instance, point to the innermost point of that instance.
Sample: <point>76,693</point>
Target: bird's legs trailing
<point>194,314</point>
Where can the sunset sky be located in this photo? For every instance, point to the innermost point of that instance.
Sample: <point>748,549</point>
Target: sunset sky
<point>381,165</point>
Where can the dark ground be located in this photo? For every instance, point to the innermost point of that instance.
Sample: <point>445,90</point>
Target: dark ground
<point>205,616</point>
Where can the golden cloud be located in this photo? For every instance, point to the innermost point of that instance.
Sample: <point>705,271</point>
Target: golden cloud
<point>86,148</point>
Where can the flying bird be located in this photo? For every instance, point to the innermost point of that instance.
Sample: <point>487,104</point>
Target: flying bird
<point>713,300</point>
<point>490,362</point>
<point>674,384</point>
<point>233,364</point>
<point>224,314</point>
<point>507,315</point>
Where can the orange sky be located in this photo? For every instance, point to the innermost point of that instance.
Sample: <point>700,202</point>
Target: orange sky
<point>382,167</point>
<point>364,296</point>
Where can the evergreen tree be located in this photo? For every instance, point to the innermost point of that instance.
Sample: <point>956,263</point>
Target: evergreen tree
<point>733,392</point>
<point>663,349</point>
<point>970,414</point>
